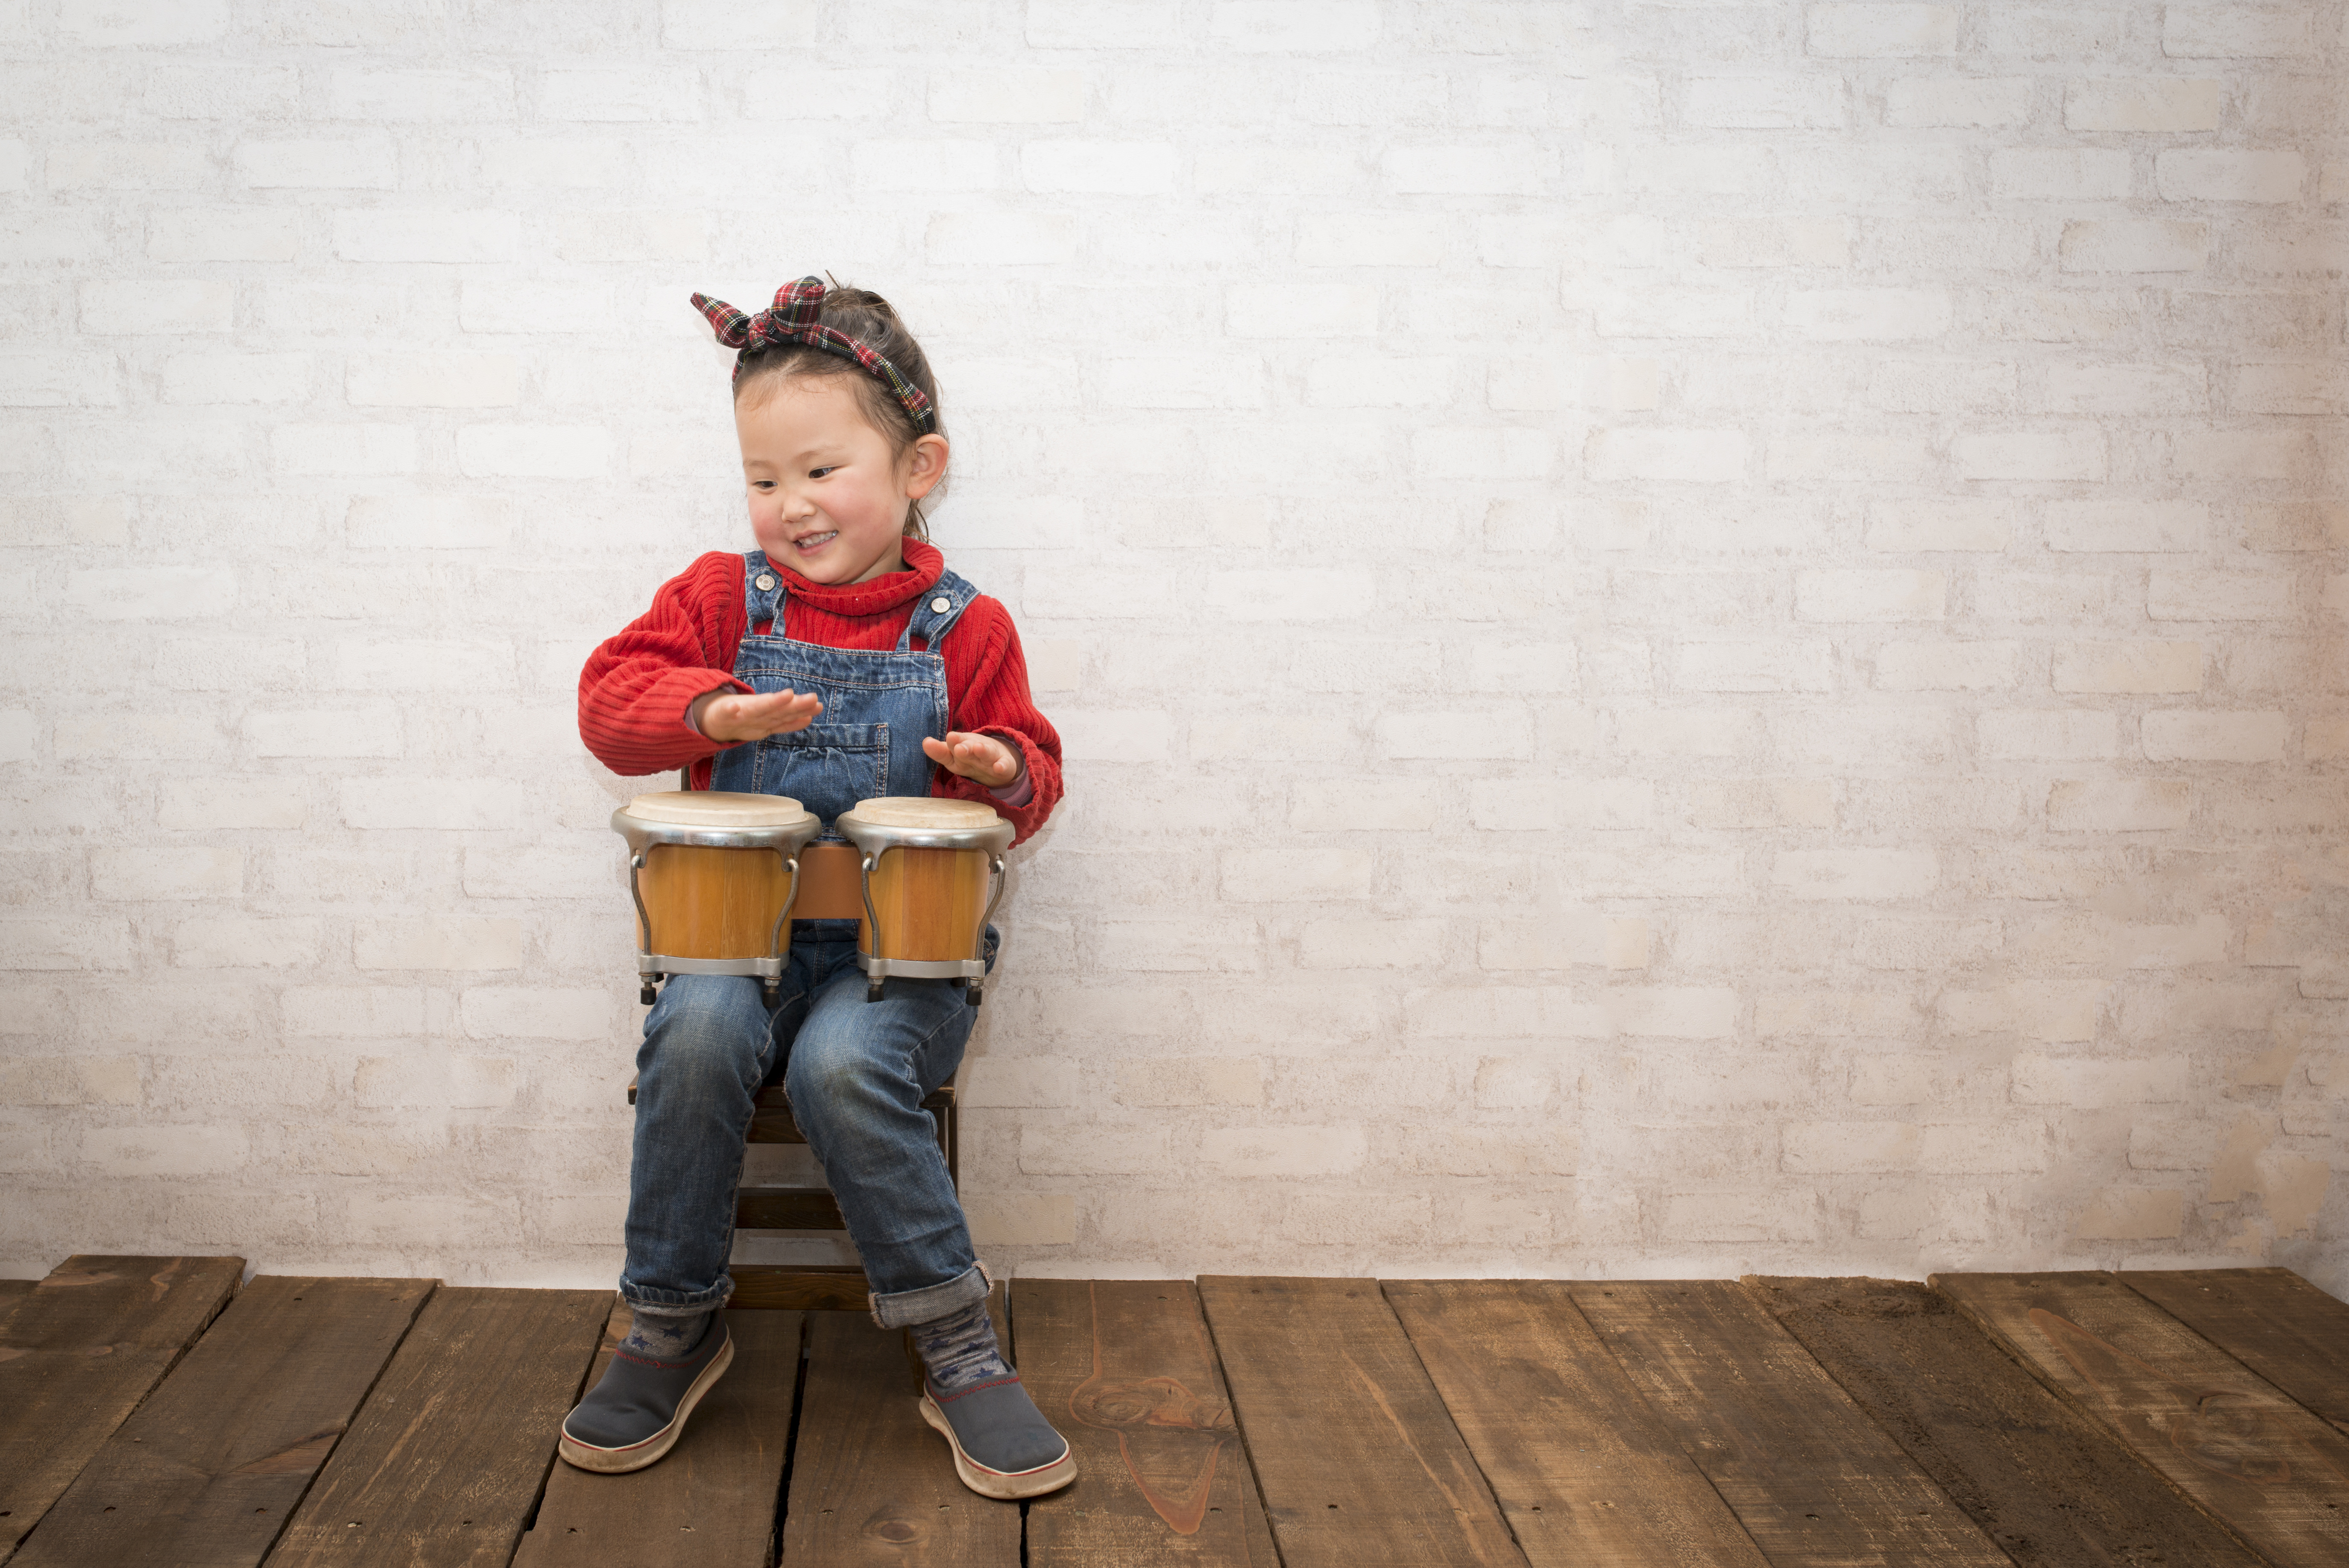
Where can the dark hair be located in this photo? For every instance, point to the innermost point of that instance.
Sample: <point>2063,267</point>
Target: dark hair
<point>872,320</point>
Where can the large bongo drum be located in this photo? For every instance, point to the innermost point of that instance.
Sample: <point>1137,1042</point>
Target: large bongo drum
<point>931,872</point>
<point>714,875</point>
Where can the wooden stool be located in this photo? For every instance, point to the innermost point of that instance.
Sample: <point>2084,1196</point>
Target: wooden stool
<point>809,1206</point>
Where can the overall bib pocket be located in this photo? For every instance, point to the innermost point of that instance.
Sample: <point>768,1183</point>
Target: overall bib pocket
<point>825,763</point>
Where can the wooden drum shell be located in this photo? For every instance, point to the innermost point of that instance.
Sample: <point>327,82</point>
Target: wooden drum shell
<point>930,903</point>
<point>710,903</point>
<point>711,872</point>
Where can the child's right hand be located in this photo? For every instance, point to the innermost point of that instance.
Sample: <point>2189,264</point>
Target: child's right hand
<point>731,716</point>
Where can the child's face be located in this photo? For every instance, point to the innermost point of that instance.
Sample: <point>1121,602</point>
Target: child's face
<point>827,498</point>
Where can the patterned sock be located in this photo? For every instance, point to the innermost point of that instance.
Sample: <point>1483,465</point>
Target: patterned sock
<point>662,1336</point>
<point>959,1349</point>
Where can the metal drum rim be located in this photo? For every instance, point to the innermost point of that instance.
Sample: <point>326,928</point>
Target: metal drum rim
<point>872,838</point>
<point>642,834</point>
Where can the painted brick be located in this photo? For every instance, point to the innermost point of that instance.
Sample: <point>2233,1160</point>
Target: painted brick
<point>142,23</point>
<point>2253,455</point>
<point>1304,26</point>
<point>1191,1080</point>
<point>1765,102</point>
<point>2143,103</point>
<point>1001,239</point>
<point>353,163</point>
<point>2121,667</point>
<point>2148,525</point>
<point>1856,874</point>
<point>1705,456</point>
<point>2059,174</point>
<point>450,380</point>
<point>1779,1216</point>
<point>2218,595</point>
<point>2300,388</point>
<point>1947,666</point>
<point>1871,596</point>
<point>1910,524</point>
<point>1021,1219</point>
<point>2123,388</point>
<point>1853,315</point>
<point>446,942</point>
<point>2073,454</point>
<point>2235,31</point>
<point>151,307</point>
<point>147,874</point>
<point>2119,805</point>
<point>235,377</point>
<point>246,943</point>
<point>172,1149</point>
<point>1972,101</point>
<point>413,95</point>
<point>2135,245</point>
<point>2215,174</point>
<point>1879,31</point>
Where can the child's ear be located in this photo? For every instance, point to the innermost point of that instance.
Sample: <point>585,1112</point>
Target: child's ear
<point>925,465</point>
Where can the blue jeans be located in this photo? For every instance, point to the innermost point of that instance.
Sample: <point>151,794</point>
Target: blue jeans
<point>856,1073</point>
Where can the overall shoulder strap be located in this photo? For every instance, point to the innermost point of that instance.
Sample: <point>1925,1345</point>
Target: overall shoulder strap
<point>936,612</point>
<point>763,590</point>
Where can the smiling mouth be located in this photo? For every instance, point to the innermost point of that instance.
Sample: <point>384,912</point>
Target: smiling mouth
<point>810,543</point>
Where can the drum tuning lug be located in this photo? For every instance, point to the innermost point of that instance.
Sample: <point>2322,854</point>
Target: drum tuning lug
<point>645,994</point>
<point>872,990</point>
<point>973,994</point>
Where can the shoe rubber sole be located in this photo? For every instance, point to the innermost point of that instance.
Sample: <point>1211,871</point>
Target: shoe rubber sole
<point>1008,1485</point>
<point>636,1455</point>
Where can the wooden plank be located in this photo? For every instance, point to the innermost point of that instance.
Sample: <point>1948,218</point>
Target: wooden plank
<point>1810,1477</point>
<point>1358,1463</point>
<point>2270,1320</point>
<point>1584,1472</point>
<point>871,1482</point>
<point>2043,1482</point>
<point>711,1502</point>
<point>772,1122</point>
<point>206,1472</point>
<point>782,1207</point>
<point>2274,1473</point>
<point>78,1354</point>
<point>448,1454</point>
<point>778,1287</point>
<point>1125,1370</point>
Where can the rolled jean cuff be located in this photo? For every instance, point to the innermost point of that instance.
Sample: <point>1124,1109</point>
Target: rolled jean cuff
<point>649,1302</point>
<point>903,1309</point>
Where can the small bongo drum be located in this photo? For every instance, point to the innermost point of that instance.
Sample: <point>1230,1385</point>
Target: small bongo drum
<point>932,872</point>
<point>714,875</point>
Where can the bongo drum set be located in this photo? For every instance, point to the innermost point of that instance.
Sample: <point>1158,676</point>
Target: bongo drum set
<point>719,877</point>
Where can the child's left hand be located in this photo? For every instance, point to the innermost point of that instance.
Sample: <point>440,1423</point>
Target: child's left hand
<point>980,757</point>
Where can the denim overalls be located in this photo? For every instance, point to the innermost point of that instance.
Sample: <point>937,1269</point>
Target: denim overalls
<point>856,1071</point>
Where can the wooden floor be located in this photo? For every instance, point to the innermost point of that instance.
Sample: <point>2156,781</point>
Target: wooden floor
<point>152,1412</point>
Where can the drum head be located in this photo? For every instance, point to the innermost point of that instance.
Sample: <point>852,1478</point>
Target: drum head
<point>717,808</point>
<point>925,814</point>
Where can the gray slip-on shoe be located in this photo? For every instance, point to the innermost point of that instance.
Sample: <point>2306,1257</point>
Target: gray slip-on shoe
<point>1003,1444</point>
<point>636,1411</point>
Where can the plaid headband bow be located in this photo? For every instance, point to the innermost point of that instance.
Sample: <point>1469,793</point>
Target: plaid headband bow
<point>796,317</point>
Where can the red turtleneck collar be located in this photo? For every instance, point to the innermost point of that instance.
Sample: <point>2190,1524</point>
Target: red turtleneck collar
<point>924,562</point>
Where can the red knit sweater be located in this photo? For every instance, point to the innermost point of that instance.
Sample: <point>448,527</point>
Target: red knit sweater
<point>636,686</point>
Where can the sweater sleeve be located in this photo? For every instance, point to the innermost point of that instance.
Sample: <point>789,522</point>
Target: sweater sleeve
<point>988,675</point>
<point>636,686</point>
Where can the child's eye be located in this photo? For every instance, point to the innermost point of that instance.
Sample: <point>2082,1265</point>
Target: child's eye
<point>819,473</point>
<point>763,485</point>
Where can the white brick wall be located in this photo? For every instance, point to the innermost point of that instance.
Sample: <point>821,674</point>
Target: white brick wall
<point>1690,638</point>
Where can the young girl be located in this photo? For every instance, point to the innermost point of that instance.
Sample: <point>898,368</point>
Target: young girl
<point>837,662</point>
